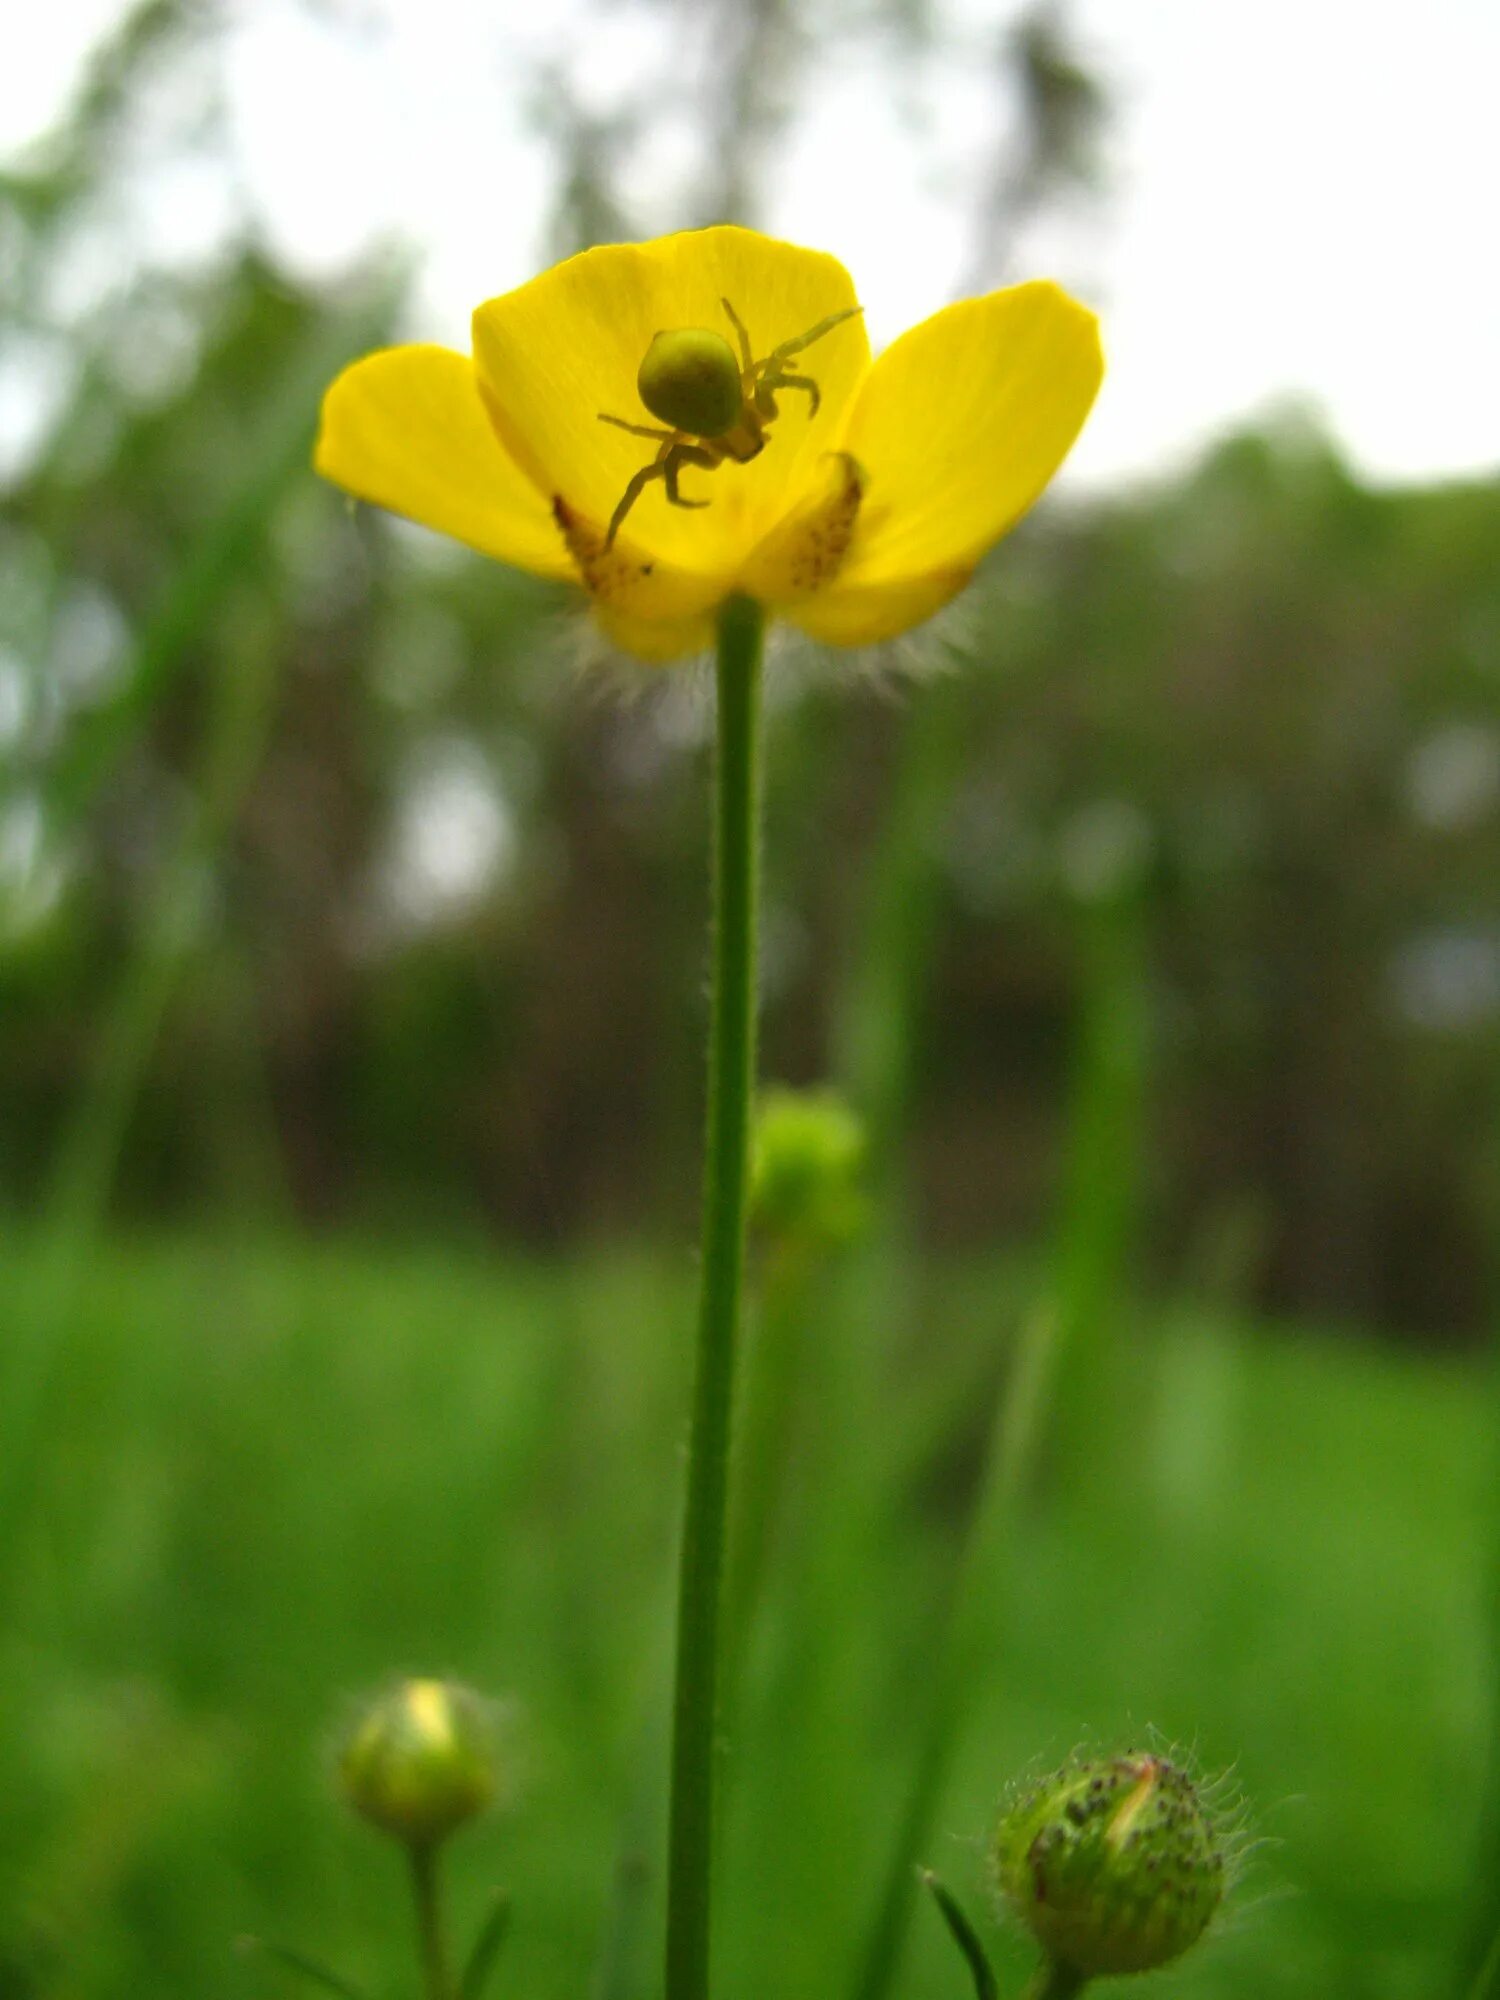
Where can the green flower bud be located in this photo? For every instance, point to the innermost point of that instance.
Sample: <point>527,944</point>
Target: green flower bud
<point>420,1761</point>
<point>1114,1864</point>
<point>807,1156</point>
<point>691,380</point>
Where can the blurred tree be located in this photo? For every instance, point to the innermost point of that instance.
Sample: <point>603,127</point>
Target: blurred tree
<point>1054,149</point>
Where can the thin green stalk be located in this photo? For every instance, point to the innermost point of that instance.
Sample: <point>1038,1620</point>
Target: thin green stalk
<point>240,714</point>
<point>1487,1981</point>
<point>1048,1382</point>
<point>312,1970</point>
<point>965,1937</point>
<point>879,1015</point>
<point>957,1650</point>
<point>731,1078</point>
<point>432,1943</point>
<point>1055,1982</point>
<point>1103,1175</point>
<point>217,559</point>
<point>76,1199</point>
<point>1477,1973</point>
<point>492,1933</point>
<point>767,1408</point>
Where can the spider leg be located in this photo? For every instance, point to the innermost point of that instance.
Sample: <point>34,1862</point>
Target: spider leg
<point>774,384</point>
<point>679,456</point>
<point>637,430</point>
<point>747,353</point>
<point>790,347</point>
<point>657,469</point>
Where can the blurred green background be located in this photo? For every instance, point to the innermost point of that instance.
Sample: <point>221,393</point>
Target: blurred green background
<point>352,965</point>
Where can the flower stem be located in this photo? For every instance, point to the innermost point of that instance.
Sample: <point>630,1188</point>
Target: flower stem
<point>1055,1982</point>
<point>731,1079</point>
<point>437,1983</point>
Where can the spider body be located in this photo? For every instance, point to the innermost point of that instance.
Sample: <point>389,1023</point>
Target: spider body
<point>712,406</point>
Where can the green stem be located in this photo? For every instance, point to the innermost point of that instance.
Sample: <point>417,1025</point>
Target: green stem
<point>767,1408</point>
<point>731,1078</point>
<point>437,1983</point>
<point>1487,1980</point>
<point>1055,1982</point>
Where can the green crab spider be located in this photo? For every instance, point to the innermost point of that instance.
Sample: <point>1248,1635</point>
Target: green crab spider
<point>713,406</point>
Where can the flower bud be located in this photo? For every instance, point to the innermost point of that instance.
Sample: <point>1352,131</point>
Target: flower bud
<point>691,380</point>
<point>807,1156</point>
<point>1113,1864</point>
<point>420,1761</point>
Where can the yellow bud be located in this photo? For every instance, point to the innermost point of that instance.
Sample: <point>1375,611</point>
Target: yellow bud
<point>691,380</point>
<point>420,1761</point>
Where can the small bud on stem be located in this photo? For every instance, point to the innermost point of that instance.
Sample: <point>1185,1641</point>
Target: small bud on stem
<point>420,1761</point>
<point>807,1162</point>
<point>1113,1864</point>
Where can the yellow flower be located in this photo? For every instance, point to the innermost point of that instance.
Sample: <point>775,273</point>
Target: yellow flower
<point>875,493</point>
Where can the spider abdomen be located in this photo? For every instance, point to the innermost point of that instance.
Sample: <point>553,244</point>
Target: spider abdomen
<point>691,380</point>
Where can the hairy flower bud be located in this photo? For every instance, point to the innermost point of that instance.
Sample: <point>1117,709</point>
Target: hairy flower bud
<point>1114,1864</point>
<point>691,380</point>
<point>420,1761</point>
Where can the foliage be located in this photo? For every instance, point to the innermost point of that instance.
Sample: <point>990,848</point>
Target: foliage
<point>280,1473</point>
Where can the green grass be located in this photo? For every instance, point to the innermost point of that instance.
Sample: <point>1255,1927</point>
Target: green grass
<point>275,1474</point>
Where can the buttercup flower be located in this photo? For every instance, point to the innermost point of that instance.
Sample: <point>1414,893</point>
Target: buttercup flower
<point>756,450</point>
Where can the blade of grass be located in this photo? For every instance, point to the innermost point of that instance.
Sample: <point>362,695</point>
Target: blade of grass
<point>1093,1235</point>
<point>623,1940</point>
<point>238,723</point>
<point>1477,1970</point>
<point>1477,1973</point>
<point>239,719</point>
<point>278,456</point>
<point>1019,1417</point>
<point>1487,1982</point>
<point>965,1937</point>
<point>876,1030</point>
<point>1103,1173</point>
<point>776,1335</point>
<point>310,1969</point>
<point>486,1947</point>
<point>877,1027</point>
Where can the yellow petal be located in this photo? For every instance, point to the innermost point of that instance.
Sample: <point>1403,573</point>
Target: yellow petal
<point>657,641</point>
<point>868,613</point>
<point>959,426</point>
<point>406,428</point>
<point>626,581</point>
<point>567,346</point>
<point>805,552</point>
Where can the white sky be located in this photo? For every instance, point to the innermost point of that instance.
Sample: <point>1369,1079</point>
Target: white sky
<point>1303,204</point>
